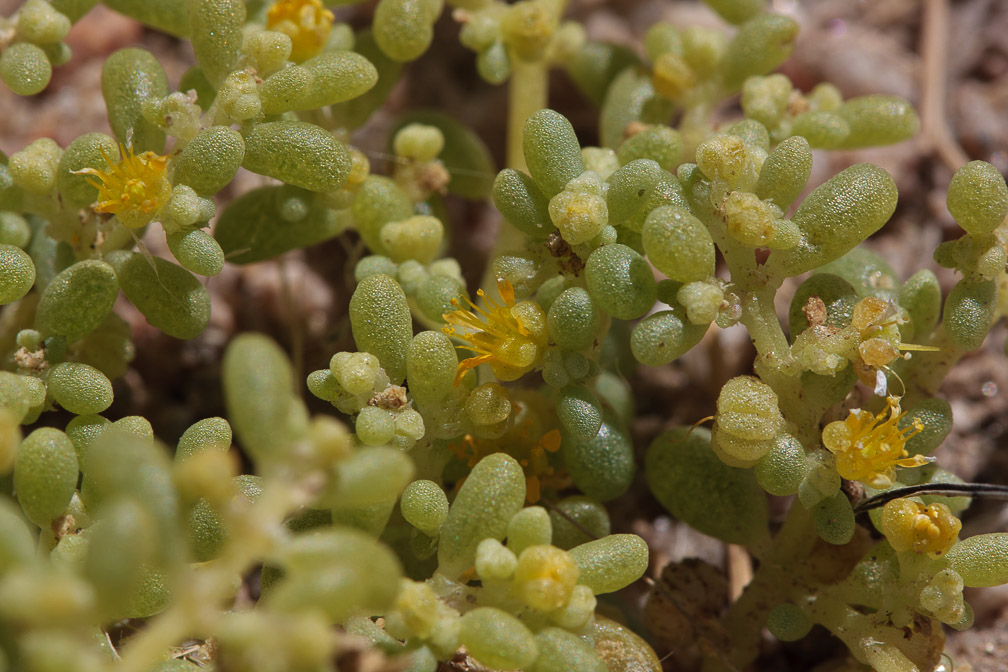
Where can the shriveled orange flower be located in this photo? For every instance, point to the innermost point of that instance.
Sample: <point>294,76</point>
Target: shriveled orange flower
<point>869,447</point>
<point>509,336</point>
<point>134,188</point>
<point>910,525</point>
<point>306,22</point>
<point>533,458</point>
<point>877,325</point>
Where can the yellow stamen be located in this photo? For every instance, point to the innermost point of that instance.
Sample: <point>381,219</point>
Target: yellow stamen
<point>909,525</point>
<point>868,447</point>
<point>306,22</point>
<point>134,188</point>
<point>498,335</point>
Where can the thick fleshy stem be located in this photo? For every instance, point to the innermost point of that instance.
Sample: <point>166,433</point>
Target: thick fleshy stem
<point>773,582</point>
<point>258,530</point>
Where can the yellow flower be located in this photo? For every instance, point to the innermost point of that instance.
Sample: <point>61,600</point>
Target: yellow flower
<point>509,336</point>
<point>909,525</point>
<point>306,22</point>
<point>545,577</point>
<point>134,188</point>
<point>869,447</point>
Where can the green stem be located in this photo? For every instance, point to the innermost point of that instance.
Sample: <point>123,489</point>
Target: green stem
<point>257,530</point>
<point>528,92</point>
<point>774,362</point>
<point>775,581</point>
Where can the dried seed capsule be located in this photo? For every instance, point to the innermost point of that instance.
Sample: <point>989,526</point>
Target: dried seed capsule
<point>694,485</point>
<point>210,160</point>
<point>129,78</point>
<point>552,151</point>
<point>381,323</point>
<point>216,32</point>
<point>298,153</point>
<point>17,274</point>
<point>611,563</point>
<point>45,475</point>
<point>79,388</point>
<point>170,297</point>
<point>497,639</point>
<point>493,492</point>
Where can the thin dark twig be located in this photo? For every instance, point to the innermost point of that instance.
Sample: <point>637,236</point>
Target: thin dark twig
<point>988,490</point>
